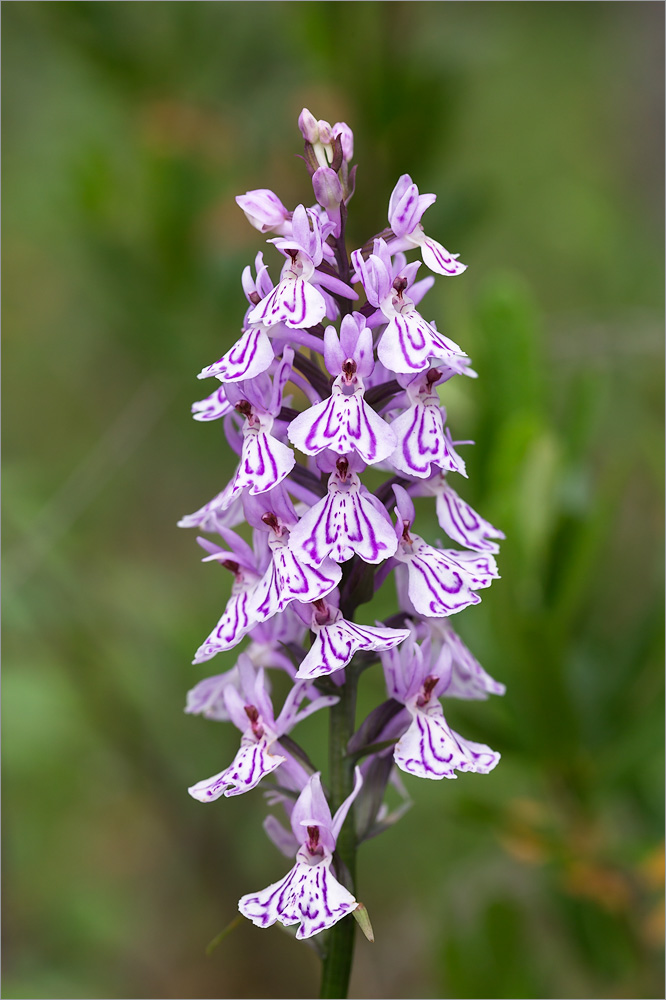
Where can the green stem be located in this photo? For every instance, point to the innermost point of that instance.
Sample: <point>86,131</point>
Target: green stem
<point>340,945</point>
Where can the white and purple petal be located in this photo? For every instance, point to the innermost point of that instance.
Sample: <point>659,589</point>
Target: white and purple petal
<point>253,761</point>
<point>437,587</point>
<point>264,463</point>
<point>309,896</point>
<point>343,423</point>
<point>250,356</point>
<point>409,342</point>
<point>431,749</point>
<point>288,579</point>
<point>463,524</point>
<point>345,523</point>
<point>294,302</point>
<point>212,407</point>
<point>336,643</point>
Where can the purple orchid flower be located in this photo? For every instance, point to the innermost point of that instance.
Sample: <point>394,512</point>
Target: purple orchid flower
<point>250,709</point>
<point>419,430</point>
<point>309,895</point>
<point>345,422</point>
<point>365,391</point>
<point>408,341</point>
<point>337,640</point>
<point>429,748</point>
<point>348,520</point>
<point>406,207</point>
<point>265,461</point>
<point>441,581</point>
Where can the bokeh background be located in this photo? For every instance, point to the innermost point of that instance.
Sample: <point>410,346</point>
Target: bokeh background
<point>128,129</point>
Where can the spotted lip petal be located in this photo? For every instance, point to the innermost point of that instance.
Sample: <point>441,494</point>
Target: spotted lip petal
<point>264,463</point>
<point>212,407</point>
<point>343,423</point>
<point>250,356</point>
<point>252,762</point>
<point>422,442</point>
<point>336,643</point>
<point>290,579</point>
<point>436,257</point>
<point>463,524</point>
<point>309,896</point>
<point>294,302</point>
<point>345,523</point>
<point>437,586</point>
<point>409,342</point>
<point>236,622</point>
<point>431,749</point>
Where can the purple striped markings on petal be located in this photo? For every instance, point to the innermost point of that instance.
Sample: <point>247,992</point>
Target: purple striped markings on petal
<point>435,256</point>
<point>345,523</point>
<point>422,440</point>
<point>461,522</point>
<point>265,461</point>
<point>343,423</point>
<point>408,343</point>
<point>250,356</point>
<point>236,622</point>
<point>212,407</point>
<point>431,749</point>
<point>288,579</point>
<point>309,895</point>
<point>253,761</point>
<point>439,585</point>
<point>294,301</point>
<point>336,643</point>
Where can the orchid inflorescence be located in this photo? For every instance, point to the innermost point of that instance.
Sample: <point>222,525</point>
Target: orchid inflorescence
<point>322,543</point>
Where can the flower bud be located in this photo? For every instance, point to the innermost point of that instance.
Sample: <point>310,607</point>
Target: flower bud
<point>346,136</point>
<point>327,187</point>
<point>263,209</point>
<point>308,126</point>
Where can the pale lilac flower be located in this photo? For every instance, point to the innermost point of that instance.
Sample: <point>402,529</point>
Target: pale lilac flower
<point>408,341</point>
<point>309,895</point>
<point>406,206</point>
<point>372,388</point>
<point>348,521</point>
<point>345,422</point>
<point>337,640</point>
<point>250,709</point>
<point>296,301</point>
<point>265,461</point>
<point>441,581</point>
<point>429,748</point>
<point>419,431</point>
<point>288,577</point>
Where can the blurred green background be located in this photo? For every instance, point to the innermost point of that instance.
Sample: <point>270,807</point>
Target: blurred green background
<point>128,129</point>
